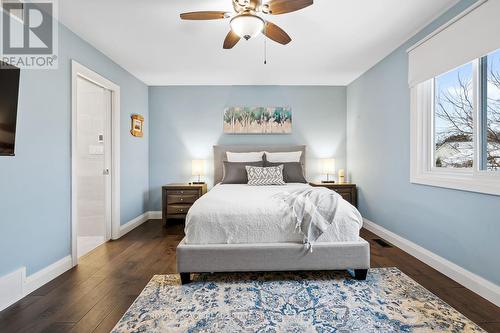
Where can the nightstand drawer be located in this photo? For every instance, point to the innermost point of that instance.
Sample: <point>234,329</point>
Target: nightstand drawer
<point>181,198</point>
<point>177,209</point>
<point>348,191</point>
<point>347,195</point>
<point>184,192</point>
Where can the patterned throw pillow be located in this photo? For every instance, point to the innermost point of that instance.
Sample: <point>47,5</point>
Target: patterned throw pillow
<point>258,176</point>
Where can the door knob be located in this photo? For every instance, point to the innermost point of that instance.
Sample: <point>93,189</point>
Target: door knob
<point>105,172</point>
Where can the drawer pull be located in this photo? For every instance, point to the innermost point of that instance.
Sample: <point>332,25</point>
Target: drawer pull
<point>181,198</point>
<point>173,209</point>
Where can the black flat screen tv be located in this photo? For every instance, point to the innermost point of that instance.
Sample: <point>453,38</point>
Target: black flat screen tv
<point>9,93</point>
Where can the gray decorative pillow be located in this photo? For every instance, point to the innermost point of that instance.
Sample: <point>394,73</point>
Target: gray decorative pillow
<point>258,176</point>
<point>292,171</point>
<point>235,172</point>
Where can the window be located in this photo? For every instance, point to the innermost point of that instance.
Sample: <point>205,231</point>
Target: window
<point>453,121</point>
<point>456,128</point>
<point>490,112</point>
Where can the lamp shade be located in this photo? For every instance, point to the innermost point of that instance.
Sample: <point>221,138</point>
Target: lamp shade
<point>247,25</point>
<point>328,166</point>
<point>198,167</point>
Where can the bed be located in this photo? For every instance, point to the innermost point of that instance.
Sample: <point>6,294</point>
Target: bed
<point>237,227</point>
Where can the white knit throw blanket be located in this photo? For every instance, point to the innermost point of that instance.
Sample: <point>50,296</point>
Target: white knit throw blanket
<point>313,210</point>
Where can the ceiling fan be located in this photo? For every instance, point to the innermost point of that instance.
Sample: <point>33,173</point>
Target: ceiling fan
<point>247,21</point>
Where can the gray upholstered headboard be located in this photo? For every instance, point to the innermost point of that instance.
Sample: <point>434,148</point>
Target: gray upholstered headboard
<point>220,154</point>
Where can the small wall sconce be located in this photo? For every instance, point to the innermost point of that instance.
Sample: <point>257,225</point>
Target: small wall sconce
<point>328,169</point>
<point>198,169</point>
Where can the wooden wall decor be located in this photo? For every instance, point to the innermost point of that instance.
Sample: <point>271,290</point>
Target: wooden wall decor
<point>137,125</point>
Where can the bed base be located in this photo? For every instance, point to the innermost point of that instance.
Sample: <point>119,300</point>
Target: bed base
<point>358,274</point>
<point>268,257</point>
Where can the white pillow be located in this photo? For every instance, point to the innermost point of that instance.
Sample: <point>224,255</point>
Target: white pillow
<point>245,157</point>
<point>287,157</point>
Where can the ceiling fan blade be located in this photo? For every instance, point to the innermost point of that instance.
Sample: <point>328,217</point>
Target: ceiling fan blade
<point>277,7</point>
<point>272,31</point>
<point>210,15</point>
<point>231,40</point>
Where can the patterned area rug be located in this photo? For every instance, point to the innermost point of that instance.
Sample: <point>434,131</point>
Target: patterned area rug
<point>388,301</point>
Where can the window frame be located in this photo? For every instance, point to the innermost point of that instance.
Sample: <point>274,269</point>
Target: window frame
<point>422,139</point>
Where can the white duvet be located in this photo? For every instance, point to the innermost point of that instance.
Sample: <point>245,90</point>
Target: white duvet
<point>232,214</point>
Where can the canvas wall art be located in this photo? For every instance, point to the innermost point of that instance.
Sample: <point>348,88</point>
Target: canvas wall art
<point>258,120</point>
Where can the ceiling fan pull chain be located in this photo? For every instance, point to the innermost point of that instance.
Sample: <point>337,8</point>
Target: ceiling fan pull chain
<point>265,48</point>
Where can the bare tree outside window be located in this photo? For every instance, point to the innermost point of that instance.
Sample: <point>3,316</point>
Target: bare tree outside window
<point>453,122</point>
<point>492,124</point>
<point>453,117</point>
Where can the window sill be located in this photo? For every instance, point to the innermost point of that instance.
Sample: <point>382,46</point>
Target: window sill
<point>485,184</point>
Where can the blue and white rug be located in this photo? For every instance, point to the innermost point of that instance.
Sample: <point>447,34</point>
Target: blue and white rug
<point>388,301</point>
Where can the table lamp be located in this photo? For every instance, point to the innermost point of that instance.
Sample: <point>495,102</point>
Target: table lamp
<point>198,169</point>
<point>328,169</point>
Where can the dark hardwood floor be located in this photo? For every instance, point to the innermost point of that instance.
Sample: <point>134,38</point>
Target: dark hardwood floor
<point>93,296</point>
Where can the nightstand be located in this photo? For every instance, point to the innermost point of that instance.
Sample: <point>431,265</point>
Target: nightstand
<point>348,191</point>
<point>178,198</point>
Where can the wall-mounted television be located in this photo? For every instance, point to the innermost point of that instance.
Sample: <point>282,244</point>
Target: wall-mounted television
<point>9,93</point>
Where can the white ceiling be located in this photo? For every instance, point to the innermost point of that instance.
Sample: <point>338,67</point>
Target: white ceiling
<point>334,41</point>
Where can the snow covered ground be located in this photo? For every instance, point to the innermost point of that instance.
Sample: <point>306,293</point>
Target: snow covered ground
<point>461,154</point>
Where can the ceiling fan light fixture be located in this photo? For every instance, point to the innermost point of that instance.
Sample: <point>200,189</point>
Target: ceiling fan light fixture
<point>247,25</point>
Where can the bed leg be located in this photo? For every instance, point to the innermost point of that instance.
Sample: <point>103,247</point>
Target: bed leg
<point>185,278</point>
<point>360,274</point>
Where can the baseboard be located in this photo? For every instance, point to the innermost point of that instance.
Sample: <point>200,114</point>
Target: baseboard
<point>131,225</point>
<point>472,281</point>
<point>35,281</point>
<point>17,285</point>
<point>11,288</point>
<point>155,215</point>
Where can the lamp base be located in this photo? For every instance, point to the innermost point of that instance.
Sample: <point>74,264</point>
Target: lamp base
<point>328,181</point>
<point>197,183</point>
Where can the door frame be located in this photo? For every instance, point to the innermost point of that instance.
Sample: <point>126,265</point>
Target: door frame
<point>78,70</point>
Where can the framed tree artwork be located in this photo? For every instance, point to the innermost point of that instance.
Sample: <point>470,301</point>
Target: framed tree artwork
<point>258,120</point>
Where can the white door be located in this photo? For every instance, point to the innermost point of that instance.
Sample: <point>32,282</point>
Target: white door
<point>93,165</point>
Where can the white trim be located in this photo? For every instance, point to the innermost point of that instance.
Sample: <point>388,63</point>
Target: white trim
<point>11,288</point>
<point>131,225</point>
<point>16,285</point>
<point>35,281</point>
<point>477,284</point>
<point>422,170</point>
<point>447,24</point>
<point>78,70</point>
<point>155,215</point>
<point>88,243</point>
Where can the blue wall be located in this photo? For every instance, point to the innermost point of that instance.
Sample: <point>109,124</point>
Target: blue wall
<point>35,225</point>
<point>460,226</point>
<point>187,121</point>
